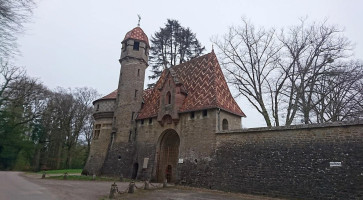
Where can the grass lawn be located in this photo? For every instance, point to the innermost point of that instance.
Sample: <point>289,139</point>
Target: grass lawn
<point>62,171</point>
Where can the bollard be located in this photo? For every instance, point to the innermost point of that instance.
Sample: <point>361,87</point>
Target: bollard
<point>165,184</point>
<point>43,176</point>
<point>131,187</point>
<point>147,185</point>
<point>113,191</point>
<point>65,176</point>
<point>121,178</point>
<point>94,177</point>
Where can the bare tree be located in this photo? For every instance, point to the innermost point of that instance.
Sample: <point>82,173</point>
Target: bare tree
<point>281,74</point>
<point>8,74</point>
<point>82,110</point>
<point>13,15</point>
<point>338,92</point>
<point>311,50</point>
<point>250,58</point>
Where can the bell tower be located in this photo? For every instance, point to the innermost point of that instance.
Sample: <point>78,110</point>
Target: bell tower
<point>134,61</point>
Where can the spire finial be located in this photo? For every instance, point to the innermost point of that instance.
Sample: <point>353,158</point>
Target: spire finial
<point>212,47</point>
<point>138,24</point>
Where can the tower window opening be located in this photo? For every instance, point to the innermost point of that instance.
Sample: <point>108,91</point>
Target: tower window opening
<point>136,46</point>
<point>138,72</point>
<point>168,98</point>
<point>135,135</point>
<point>112,138</point>
<point>98,107</point>
<point>130,134</point>
<point>97,131</point>
<point>150,120</point>
<point>132,115</point>
<point>225,124</point>
<point>142,121</point>
<point>192,115</point>
<point>135,93</point>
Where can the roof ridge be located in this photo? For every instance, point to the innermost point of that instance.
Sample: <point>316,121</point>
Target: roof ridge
<point>192,60</point>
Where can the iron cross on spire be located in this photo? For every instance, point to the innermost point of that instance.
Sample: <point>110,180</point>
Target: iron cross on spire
<point>138,24</point>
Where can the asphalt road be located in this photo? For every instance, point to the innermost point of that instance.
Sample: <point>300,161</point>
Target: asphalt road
<point>13,186</point>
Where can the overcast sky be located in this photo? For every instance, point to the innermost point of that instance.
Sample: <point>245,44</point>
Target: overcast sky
<point>76,43</point>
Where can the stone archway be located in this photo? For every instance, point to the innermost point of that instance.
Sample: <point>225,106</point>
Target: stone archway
<point>167,156</point>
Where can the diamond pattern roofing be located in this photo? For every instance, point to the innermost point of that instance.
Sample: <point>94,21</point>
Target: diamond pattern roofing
<point>204,82</point>
<point>137,34</point>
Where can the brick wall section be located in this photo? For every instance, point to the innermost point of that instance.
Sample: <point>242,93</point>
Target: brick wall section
<point>288,162</point>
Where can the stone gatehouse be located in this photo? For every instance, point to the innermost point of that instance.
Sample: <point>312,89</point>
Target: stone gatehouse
<point>187,130</point>
<point>147,134</point>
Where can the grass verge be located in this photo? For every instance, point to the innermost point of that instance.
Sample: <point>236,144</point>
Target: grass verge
<point>62,171</point>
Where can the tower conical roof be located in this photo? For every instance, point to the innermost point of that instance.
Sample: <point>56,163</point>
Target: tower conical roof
<point>137,34</point>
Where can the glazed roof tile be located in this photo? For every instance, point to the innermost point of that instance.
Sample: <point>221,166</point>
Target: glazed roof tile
<point>138,34</point>
<point>203,80</point>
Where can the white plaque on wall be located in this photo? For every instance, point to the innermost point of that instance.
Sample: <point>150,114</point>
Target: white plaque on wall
<point>181,160</point>
<point>335,164</point>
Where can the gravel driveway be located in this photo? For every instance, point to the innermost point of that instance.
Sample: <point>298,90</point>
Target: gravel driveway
<point>95,190</point>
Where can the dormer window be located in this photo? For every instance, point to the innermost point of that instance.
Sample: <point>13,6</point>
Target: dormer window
<point>168,98</point>
<point>136,46</point>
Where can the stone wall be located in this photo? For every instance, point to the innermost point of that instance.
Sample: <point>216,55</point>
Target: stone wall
<point>234,122</point>
<point>292,162</point>
<point>197,142</point>
<point>104,105</point>
<point>99,147</point>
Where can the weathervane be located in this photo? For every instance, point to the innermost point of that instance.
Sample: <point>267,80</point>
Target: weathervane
<point>138,24</point>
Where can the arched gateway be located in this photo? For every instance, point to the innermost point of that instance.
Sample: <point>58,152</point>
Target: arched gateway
<point>167,156</point>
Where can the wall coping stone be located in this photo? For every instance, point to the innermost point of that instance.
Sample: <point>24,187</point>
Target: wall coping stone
<point>293,127</point>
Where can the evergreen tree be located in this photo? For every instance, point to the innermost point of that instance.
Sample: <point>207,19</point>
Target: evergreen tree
<point>172,45</point>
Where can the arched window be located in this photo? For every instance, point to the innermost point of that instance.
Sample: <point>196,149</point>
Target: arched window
<point>168,98</point>
<point>225,124</point>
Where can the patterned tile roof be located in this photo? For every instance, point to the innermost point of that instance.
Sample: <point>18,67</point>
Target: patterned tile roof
<point>112,95</point>
<point>204,82</point>
<point>138,34</point>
